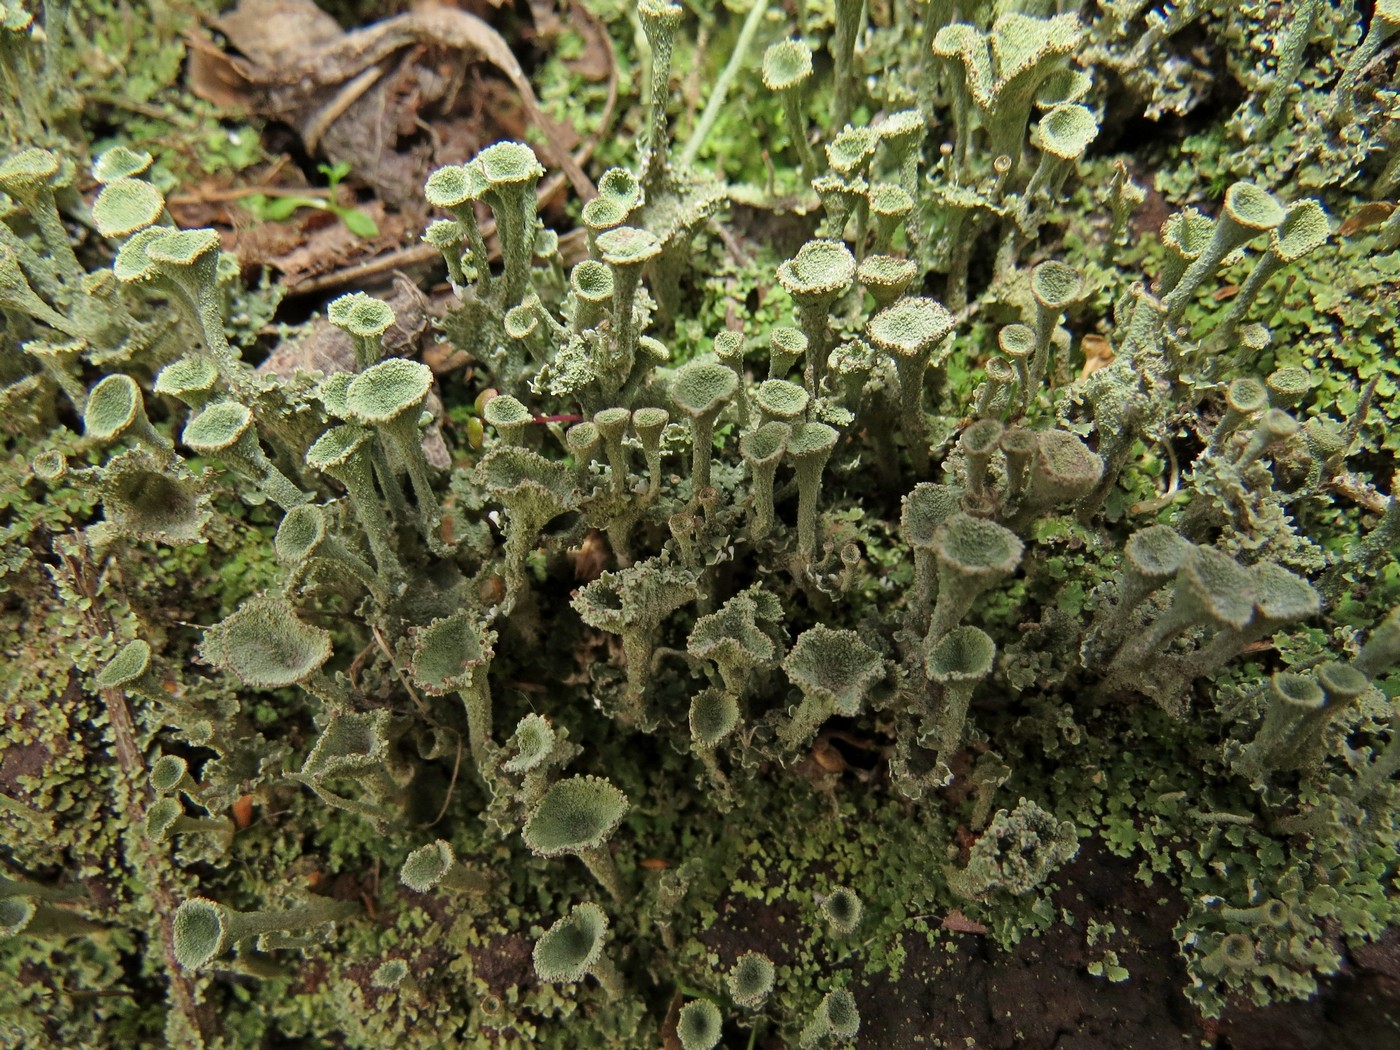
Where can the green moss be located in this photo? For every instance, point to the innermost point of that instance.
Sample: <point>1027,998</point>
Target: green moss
<point>731,851</point>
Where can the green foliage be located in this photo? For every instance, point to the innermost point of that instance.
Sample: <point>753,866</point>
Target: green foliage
<point>281,208</point>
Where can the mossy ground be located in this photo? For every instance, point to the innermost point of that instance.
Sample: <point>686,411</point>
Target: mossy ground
<point>1090,960</point>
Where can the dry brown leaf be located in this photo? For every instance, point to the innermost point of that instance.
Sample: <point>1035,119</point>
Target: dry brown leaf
<point>278,32</point>
<point>595,64</point>
<point>590,557</point>
<point>827,756</point>
<point>444,357</point>
<point>669,1039</point>
<point>1098,353</point>
<point>332,245</point>
<point>543,14</point>
<point>214,77</point>
<point>300,67</point>
<point>960,923</point>
<point>1365,217</point>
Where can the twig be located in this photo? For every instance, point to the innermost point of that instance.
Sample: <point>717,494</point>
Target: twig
<point>1360,492</point>
<point>724,83</point>
<point>398,673</point>
<point>132,779</point>
<point>451,784</point>
<point>187,200</point>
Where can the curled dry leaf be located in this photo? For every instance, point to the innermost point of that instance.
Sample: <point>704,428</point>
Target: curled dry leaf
<point>344,92</point>
<point>1369,215</point>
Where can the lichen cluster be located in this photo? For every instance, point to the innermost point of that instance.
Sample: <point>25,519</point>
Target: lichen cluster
<point>986,529</point>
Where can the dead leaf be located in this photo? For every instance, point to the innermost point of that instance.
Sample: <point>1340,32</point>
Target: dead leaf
<point>417,94</point>
<point>213,76</point>
<point>669,1039</point>
<point>1098,353</point>
<point>1365,217</point>
<point>827,756</point>
<point>332,245</point>
<point>444,357</point>
<point>960,923</point>
<point>258,246</point>
<point>590,557</point>
<point>596,63</point>
<point>278,32</point>
<point>547,23</point>
<point>300,67</point>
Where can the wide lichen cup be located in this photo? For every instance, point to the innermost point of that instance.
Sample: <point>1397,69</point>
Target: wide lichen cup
<point>218,428</point>
<point>819,272</point>
<point>129,665</point>
<point>200,933</point>
<point>851,151</point>
<point>786,65</point>
<point>1066,131</point>
<point>454,185</point>
<point>628,246</point>
<point>1151,557</point>
<point>1252,207</point>
<point>532,743</point>
<point>190,379</point>
<point>700,1025</point>
<point>448,652</point>
<point>568,950</point>
<point>886,277</point>
<point>388,391</point>
<point>1056,286</point>
<point>621,187</point>
<point>843,909</point>
<point>125,206</point>
<point>266,645</point>
<point>185,250</point>
<point>964,654</point>
<point>427,866</point>
<point>781,400</point>
<point>972,555</point>
<point>115,408</point>
<point>750,980</point>
<point>301,533</point>
<point>714,714</point>
<point>577,816</point>
<point>836,671</point>
<point>908,331</point>
<point>144,501</point>
<point>700,392</point>
<point>509,416</point>
<point>592,281</point>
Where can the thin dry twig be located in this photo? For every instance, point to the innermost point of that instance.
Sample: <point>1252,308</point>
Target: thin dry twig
<point>451,785</point>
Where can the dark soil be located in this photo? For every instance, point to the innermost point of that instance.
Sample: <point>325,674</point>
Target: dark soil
<point>966,993</point>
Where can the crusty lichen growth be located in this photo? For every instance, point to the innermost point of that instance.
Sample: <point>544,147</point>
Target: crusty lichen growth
<point>1040,552</point>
